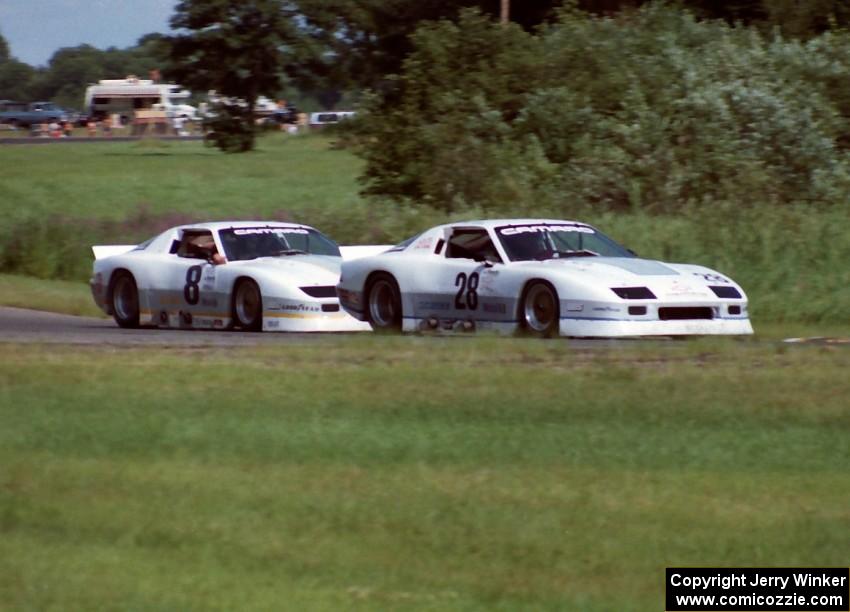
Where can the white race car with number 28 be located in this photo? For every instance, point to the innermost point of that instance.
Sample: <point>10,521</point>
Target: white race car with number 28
<point>253,275</point>
<point>542,276</point>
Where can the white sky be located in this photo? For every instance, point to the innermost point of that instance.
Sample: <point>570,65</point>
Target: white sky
<point>35,29</point>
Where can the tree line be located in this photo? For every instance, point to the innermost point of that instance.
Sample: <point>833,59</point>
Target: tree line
<point>328,46</point>
<point>621,103</point>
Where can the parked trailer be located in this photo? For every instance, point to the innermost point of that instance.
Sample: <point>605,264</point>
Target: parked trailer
<point>126,96</point>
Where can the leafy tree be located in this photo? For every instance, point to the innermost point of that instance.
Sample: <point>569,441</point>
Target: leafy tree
<point>658,111</point>
<point>15,80</point>
<point>369,39</point>
<point>807,19</point>
<point>15,76</point>
<point>239,48</point>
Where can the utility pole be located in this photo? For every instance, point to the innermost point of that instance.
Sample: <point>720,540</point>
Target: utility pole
<point>505,14</point>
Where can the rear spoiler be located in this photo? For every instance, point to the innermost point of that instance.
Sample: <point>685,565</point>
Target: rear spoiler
<point>362,250</point>
<point>108,250</point>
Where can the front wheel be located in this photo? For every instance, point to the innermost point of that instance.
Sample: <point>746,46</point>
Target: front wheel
<point>383,302</point>
<point>539,313</point>
<point>248,306</point>
<point>125,300</point>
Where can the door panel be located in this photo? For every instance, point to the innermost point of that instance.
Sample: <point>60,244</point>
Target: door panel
<point>186,285</point>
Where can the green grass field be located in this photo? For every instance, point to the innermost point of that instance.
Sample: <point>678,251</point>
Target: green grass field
<point>378,473</point>
<point>138,185</point>
<point>66,297</point>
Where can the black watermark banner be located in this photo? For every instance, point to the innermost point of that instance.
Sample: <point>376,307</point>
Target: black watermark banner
<point>763,589</point>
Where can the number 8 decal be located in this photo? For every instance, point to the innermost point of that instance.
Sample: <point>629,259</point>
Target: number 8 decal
<point>191,291</point>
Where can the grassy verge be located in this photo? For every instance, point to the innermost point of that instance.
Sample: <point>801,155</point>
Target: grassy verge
<point>66,297</point>
<point>413,473</point>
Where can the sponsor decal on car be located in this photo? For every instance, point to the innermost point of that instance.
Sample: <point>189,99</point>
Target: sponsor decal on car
<point>494,307</point>
<point>711,277</point>
<point>269,230</point>
<point>208,279</point>
<point>681,288</point>
<point>533,229</point>
<point>293,307</point>
<point>424,243</point>
<point>487,280</point>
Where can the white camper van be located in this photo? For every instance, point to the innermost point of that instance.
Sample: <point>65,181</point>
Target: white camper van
<point>125,96</point>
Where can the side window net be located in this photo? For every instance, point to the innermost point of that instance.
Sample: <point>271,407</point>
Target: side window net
<point>196,245</point>
<point>471,244</point>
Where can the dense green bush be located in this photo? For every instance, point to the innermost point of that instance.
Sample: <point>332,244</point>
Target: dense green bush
<point>653,110</point>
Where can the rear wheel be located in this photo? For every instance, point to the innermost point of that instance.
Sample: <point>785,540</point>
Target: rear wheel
<point>248,306</point>
<point>383,302</point>
<point>125,300</point>
<point>539,310</point>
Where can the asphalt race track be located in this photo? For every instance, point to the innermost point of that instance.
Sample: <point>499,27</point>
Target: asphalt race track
<point>19,325</point>
<point>32,326</point>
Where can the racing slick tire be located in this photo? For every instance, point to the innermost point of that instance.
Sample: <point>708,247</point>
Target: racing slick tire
<point>383,304</point>
<point>539,310</point>
<point>248,305</point>
<point>124,299</point>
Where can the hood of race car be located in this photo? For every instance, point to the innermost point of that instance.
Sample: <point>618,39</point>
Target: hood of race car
<point>665,280</point>
<point>299,270</point>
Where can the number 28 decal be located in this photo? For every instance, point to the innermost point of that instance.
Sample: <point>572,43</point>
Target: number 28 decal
<point>470,287</point>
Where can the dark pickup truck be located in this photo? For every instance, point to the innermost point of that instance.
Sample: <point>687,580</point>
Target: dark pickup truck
<point>19,114</point>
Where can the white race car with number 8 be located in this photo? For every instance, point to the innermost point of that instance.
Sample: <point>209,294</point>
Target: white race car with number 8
<point>254,275</point>
<point>542,276</point>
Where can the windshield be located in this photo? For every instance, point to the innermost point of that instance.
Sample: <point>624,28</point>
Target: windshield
<point>557,240</point>
<point>252,242</point>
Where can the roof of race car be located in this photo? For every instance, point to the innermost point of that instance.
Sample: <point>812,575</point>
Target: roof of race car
<point>492,223</point>
<point>221,225</point>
